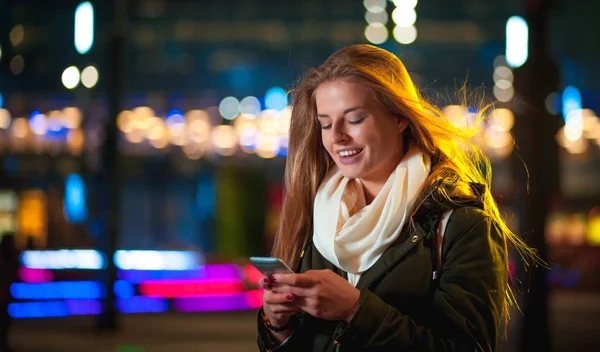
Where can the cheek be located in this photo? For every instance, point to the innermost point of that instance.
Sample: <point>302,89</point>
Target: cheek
<point>326,142</point>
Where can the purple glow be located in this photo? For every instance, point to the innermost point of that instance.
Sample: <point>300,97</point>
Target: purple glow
<point>222,271</point>
<point>225,302</point>
<point>32,275</point>
<point>84,307</point>
<point>209,271</point>
<point>139,304</point>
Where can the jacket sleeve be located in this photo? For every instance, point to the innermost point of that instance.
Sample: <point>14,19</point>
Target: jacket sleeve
<point>292,344</point>
<point>467,304</point>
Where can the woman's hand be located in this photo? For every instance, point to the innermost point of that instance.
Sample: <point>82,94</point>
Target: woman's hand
<point>320,293</point>
<point>278,307</point>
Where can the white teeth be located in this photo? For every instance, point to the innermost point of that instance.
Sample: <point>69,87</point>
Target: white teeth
<point>349,152</point>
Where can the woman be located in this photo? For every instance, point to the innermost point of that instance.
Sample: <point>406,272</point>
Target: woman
<point>375,178</point>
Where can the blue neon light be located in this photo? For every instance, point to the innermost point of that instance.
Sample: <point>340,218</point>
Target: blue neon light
<point>75,199</point>
<point>141,304</point>
<point>58,290</point>
<point>38,310</point>
<point>123,289</point>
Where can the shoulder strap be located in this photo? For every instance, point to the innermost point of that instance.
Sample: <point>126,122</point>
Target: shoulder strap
<point>438,241</point>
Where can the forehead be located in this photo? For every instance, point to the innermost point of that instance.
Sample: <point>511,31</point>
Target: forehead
<point>341,94</point>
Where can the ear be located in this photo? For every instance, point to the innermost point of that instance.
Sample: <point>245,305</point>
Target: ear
<point>402,125</point>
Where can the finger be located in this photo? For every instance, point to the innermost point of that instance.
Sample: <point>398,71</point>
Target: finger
<point>308,306</point>
<point>265,282</point>
<point>284,309</point>
<point>294,290</point>
<point>278,298</point>
<point>301,280</point>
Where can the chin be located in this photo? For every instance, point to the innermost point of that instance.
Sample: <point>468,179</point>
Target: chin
<point>350,172</point>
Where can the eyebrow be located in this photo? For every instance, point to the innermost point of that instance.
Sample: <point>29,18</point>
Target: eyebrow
<point>347,111</point>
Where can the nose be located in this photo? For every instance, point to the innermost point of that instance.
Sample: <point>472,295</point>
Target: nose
<point>339,133</point>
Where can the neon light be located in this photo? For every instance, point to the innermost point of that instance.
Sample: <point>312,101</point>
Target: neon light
<point>517,41</point>
<point>254,298</point>
<point>227,302</point>
<point>187,288</point>
<point>157,260</point>
<point>63,259</point>
<point>137,276</point>
<point>38,310</point>
<point>58,290</point>
<point>34,275</point>
<point>208,271</point>
<point>84,27</point>
<point>84,307</point>
<point>75,205</point>
<point>222,271</point>
<point>123,289</point>
<point>142,305</point>
<point>251,274</point>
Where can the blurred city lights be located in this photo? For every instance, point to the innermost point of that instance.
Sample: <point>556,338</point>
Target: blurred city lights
<point>142,305</point>
<point>229,108</point>
<point>186,288</point>
<point>250,105</point>
<point>571,100</point>
<point>405,35</point>
<point>123,289</point>
<point>63,259</point>
<point>75,202</point>
<point>89,77</point>
<point>375,6</point>
<point>34,275</point>
<point>517,41</point>
<point>1,100</point>
<point>84,306</point>
<point>225,302</point>
<point>376,33</point>
<point>38,309</point>
<point>70,77</point>
<point>157,260</point>
<point>17,65</point>
<point>58,290</point>
<point>276,99</point>
<point>84,27</point>
<point>404,17</point>
<point>17,35</point>
<point>4,118</point>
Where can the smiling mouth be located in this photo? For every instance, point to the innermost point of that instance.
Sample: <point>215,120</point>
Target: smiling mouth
<point>349,153</point>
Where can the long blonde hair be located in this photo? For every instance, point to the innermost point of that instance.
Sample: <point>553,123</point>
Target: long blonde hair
<point>459,162</point>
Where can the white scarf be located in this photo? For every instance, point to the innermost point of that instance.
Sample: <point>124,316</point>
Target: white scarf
<point>353,235</point>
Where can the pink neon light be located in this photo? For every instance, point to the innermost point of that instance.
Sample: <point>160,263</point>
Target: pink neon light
<point>254,298</point>
<point>32,275</point>
<point>189,288</point>
<point>251,274</point>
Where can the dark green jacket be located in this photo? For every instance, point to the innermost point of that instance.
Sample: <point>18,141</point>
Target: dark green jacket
<point>402,307</point>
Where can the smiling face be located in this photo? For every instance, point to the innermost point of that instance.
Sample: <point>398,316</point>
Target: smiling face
<point>362,137</point>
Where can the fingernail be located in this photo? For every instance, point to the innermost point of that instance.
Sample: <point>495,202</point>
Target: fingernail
<point>266,280</point>
<point>272,278</point>
<point>290,297</point>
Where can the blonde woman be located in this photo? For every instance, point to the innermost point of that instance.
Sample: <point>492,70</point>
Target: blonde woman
<point>396,240</point>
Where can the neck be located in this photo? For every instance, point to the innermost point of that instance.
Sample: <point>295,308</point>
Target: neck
<point>371,190</point>
<point>373,183</point>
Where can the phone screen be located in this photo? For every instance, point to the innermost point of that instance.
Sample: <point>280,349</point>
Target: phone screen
<point>270,265</point>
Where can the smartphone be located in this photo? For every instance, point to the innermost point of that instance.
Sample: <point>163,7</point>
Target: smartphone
<point>270,265</point>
